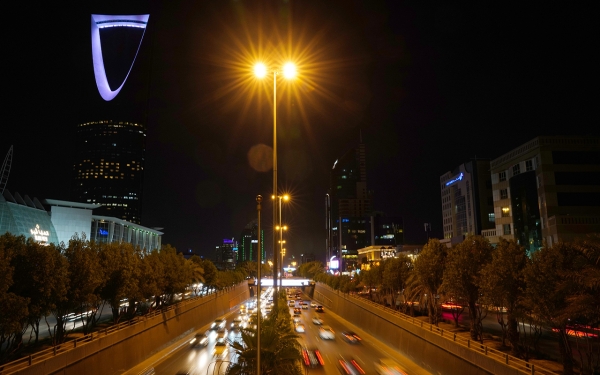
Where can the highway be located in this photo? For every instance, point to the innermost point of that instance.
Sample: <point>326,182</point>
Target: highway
<point>188,360</point>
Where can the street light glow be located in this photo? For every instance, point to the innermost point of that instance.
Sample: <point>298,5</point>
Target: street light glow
<point>260,70</point>
<point>289,70</point>
<point>286,197</point>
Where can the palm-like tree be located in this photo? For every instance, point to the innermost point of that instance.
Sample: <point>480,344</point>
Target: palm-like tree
<point>280,351</point>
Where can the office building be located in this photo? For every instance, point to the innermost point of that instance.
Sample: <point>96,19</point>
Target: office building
<point>108,168</point>
<point>248,243</point>
<point>226,254</point>
<point>467,204</point>
<point>348,204</point>
<point>384,230</point>
<point>546,191</point>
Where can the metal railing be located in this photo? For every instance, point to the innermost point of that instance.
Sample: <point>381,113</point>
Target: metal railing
<point>514,362</point>
<point>21,363</point>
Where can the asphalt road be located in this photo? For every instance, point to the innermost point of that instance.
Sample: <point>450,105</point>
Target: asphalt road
<point>366,353</point>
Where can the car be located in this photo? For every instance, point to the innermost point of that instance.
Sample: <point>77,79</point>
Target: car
<point>319,308</point>
<point>221,348</point>
<point>292,303</point>
<point>297,311</point>
<point>296,319</point>
<point>351,337</point>
<point>305,305</point>
<point>313,304</point>
<point>326,333</point>
<point>387,366</point>
<point>218,323</point>
<point>349,367</point>
<point>318,321</point>
<point>298,298</point>
<point>199,340</point>
<point>312,357</point>
<point>300,328</point>
<point>238,323</point>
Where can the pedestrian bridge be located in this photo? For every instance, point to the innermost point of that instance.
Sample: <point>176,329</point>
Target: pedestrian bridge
<point>291,281</point>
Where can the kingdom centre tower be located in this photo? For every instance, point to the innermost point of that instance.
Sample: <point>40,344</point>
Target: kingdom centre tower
<point>110,139</point>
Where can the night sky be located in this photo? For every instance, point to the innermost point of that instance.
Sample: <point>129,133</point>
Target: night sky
<point>428,86</point>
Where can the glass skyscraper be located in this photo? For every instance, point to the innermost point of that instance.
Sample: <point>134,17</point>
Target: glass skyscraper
<point>109,167</point>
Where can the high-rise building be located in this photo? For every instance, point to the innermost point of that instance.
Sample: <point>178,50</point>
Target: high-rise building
<point>546,191</point>
<point>108,168</point>
<point>467,204</point>
<point>385,230</point>
<point>225,255</point>
<point>348,204</point>
<point>248,243</point>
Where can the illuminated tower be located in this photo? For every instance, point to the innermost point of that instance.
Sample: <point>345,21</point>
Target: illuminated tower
<point>111,23</point>
<point>109,167</point>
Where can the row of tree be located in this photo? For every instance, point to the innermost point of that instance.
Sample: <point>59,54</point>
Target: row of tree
<point>75,281</point>
<point>556,287</point>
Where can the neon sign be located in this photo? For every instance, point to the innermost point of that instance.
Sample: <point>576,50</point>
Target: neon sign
<point>334,264</point>
<point>456,179</point>
<point>39,235</point>
<point>101,21</point>
<point>102,232</point>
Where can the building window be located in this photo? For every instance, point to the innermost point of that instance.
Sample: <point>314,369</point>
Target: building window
<point>492,217</point>
<point>506,228</point>
<point>503,193</point>
<point>505,211</point>
<point>529,165</point>
<point>516,169</point>
<point>502,176</point>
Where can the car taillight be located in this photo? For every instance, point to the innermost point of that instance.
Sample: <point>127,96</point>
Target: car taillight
<point>319,357</point>
<point>358,367</point>
<point>305,356</point>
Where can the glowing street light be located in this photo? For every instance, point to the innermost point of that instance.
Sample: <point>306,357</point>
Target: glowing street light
<point>289,71</point>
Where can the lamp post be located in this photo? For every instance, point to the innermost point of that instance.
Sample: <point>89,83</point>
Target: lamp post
<point>289,71</point>
<point>258,256</point>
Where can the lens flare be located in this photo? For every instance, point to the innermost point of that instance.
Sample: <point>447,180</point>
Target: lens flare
<point>260,70</point>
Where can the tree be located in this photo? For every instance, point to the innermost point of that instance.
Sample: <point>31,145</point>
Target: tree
<point>13,319</point>
<point>310,269</point>
<point>38,278</point>
<point>395,274</point>
<point>86,277</point>
<point>280,351</point>
<point>427,276</point>
<point>548,290</point>
<point>462,277</point>
<point>120,262</point>
<point>176,276</point>
<point>502,285</point>
<point>210,274</point>
<point>152,277</point>
<point>197,271</point>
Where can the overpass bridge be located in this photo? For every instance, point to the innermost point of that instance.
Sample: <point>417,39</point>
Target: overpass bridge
<point>285,282</point>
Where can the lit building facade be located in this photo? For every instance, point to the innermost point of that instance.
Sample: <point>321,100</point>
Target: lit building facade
<point>546,191</point>
<point>248,243</point>
<point>226,254</point>
<point>108,169</point>
<point>24,216</point>
<point>348,204</point>
<point>467,203</point>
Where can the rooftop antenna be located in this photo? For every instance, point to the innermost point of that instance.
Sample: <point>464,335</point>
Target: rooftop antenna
<point>5,170</point>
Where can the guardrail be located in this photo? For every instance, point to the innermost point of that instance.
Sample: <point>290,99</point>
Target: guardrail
<point>21,363</point>
<point>514,362</point>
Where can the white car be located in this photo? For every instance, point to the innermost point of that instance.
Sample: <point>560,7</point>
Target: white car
<point>313,304</point>
<point>317,320</point>
<point>304,306</point>
<point>300,327</point>
<point>326,333</point>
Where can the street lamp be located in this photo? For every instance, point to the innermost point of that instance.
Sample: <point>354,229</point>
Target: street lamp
<point>289,72</point>
<point>258,207</point>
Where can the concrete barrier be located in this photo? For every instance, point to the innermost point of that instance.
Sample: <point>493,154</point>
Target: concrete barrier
<point>115,351</point>
<point>424,344</point>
